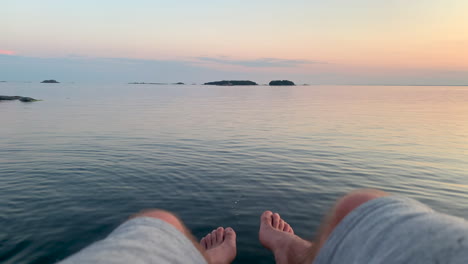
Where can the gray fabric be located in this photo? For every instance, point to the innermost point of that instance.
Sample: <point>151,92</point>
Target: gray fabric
<point>141,241</point>
<point>396,230</point>
<point>385,230</point>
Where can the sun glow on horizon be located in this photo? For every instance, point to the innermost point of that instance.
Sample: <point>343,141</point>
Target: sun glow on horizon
<point>348,37</point>
<point>7,52</point>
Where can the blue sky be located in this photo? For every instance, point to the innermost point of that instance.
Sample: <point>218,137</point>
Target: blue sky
<point>361,41</point>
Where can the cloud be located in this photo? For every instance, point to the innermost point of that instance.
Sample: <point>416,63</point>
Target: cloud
<point>123,70</point>
<point>261,62</point>
<point>7,52</point>
<point>111,70</point>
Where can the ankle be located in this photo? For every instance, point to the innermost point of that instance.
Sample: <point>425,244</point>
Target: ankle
<point>295,251</point>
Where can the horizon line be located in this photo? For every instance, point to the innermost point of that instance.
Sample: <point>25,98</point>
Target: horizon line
<point>260,84</point>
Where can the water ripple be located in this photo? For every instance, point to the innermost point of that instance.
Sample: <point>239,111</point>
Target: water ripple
<point>71,171</point>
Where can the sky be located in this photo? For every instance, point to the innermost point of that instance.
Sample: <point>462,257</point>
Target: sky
<point>307,41</point>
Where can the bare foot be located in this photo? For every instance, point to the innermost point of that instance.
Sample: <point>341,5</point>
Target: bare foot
<point>220,245</point>
<point>278,236</point>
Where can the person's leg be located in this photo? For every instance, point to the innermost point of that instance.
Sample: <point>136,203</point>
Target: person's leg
<point>341,209</point>
<point>276,235</point>
<point>218,247</point>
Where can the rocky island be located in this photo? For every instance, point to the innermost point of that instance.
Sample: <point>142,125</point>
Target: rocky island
<point>179,83</point>
<point>231,83</point>
<point>281,83</point>
<point>21,98</point>
<point>49,81</point>
<point>148,83</point>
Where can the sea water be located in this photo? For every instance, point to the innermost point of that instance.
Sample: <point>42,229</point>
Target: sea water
<point>77,164</point>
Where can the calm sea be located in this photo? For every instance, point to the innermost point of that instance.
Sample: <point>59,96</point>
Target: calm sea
<point>77,164</point>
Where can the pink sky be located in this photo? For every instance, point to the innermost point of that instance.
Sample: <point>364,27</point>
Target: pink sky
<point>392,39</point>
<point>6,52</point>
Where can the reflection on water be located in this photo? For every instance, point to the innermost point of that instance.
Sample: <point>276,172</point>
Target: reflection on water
<point>74,166</point>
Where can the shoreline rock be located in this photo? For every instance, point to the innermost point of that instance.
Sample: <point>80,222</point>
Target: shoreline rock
<point>20,98</point>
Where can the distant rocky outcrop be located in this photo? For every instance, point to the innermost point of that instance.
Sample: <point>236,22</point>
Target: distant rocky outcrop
<point>148,83</point>
<point>231,83</point>
<point>281,83</point>
<point>49,81</point>
<point>180,83</point>
<point>21,98</point>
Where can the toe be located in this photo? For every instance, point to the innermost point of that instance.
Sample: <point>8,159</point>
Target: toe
<point>266,218</point>
<point>208,241</point>
<point>287,228</point>
<point>291,230</point>
<point>214,238</point>
<point>203,243</point>
<point>230,236</point>
<point>276,220</point>
<point>281,224</point>
<point>220,234</point>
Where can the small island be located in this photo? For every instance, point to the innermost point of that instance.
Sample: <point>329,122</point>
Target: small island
<point>179,83</point>
<point>231,83</point>
<point>20,98</point>
<point>281,83</point>
<point>49,81</point>
<point>148,83</point>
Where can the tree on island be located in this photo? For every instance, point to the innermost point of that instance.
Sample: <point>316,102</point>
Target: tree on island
<point>281,83</point>
<point>49,81</point>
<point>231,83</point>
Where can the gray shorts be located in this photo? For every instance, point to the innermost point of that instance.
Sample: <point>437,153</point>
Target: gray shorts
<point>385,230</point>
<point>396,230</point>
<point>141,240</point>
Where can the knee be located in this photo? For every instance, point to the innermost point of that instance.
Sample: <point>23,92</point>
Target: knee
<point>352,200</point>
<point>341,209</point>
<point>165,216</point>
